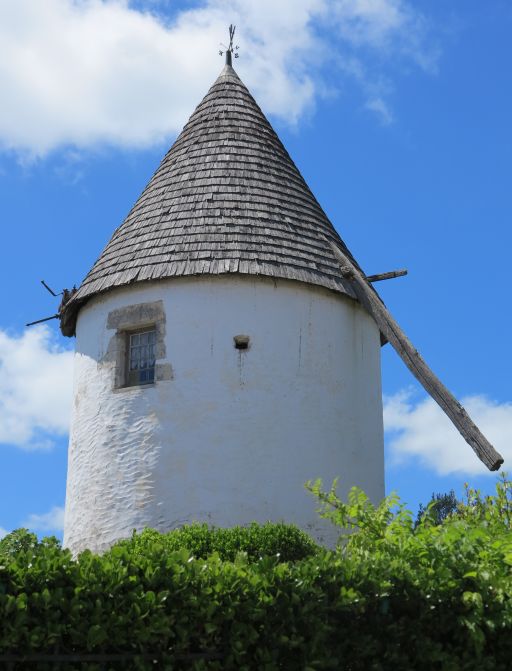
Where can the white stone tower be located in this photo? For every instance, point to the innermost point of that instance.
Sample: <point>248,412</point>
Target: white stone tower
<point>221,359</point>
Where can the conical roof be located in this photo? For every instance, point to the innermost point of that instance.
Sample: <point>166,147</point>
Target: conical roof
<point>227,198</point>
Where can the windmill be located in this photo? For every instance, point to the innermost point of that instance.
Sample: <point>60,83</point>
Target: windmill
<point>227,345</point>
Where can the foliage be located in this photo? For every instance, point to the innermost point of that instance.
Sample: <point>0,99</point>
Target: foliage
<point>16,541</point>
<point>440,507</point>
<point>453,579</point>
<point>22,540</point>
<point>392,596</point>
<point>284,541</point>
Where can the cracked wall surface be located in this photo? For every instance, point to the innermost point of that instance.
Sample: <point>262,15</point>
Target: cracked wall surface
<point>224,435</point>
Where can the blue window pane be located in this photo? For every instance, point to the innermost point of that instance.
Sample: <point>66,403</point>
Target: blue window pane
<point>142,357</point>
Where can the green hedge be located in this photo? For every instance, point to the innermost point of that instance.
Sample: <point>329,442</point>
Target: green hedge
<point>391,597</point>
<point>284,541</point>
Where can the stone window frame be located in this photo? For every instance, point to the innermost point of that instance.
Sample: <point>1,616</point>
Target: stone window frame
<point>132,319</point>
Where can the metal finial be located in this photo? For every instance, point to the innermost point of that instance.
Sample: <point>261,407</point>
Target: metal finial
<point>230,50</point>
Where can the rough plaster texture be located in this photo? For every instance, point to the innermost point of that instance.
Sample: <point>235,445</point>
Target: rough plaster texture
<point>231,435</point>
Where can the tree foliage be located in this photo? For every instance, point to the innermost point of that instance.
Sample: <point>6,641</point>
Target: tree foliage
<point>439,508</point>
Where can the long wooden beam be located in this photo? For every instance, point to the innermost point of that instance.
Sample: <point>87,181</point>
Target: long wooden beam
<point>415,363</point>
<point>386,276</point>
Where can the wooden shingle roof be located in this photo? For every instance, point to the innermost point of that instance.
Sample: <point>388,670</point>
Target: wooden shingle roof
<point>227,198</point>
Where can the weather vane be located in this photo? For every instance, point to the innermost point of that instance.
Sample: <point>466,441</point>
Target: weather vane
<point>231,49</point>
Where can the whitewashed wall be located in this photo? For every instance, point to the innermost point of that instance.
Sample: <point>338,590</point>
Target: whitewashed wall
<point>233,436</point>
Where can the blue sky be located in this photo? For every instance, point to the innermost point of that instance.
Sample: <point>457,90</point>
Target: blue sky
<point>398,115</point>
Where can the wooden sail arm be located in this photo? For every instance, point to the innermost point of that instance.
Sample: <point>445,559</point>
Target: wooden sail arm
<point>415,363</point>
<point>386,276</point>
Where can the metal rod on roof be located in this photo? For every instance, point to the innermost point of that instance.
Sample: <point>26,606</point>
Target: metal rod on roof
<point>46,319</point>
<point>415,363</point>
<point>50,290</point>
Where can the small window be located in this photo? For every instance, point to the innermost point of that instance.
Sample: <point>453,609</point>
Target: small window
<point>141,357</point>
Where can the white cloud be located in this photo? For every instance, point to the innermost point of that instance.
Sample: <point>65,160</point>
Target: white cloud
<point>50,521</point>
<point>387,25</point>
<point>3,532</point>
<point>420,429</point>
<point>35,388</point>
<point>381,109</point>
<point>84,72</point>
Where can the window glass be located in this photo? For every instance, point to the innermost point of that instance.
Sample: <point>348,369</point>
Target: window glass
<point>141,357</point>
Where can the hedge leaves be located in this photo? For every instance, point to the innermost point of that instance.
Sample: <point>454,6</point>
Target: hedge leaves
<point>392,596</point>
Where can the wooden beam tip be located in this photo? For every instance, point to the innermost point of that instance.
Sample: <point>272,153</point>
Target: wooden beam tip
<point>496,465</point>
<point>386,276</point>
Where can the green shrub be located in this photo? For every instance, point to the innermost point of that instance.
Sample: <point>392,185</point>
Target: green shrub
<point>392,597</point>
<point>284,541</point>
